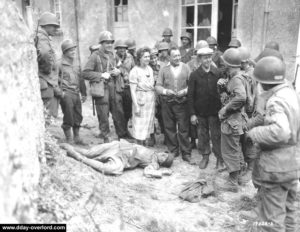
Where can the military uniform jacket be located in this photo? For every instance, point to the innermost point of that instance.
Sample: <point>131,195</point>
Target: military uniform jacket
<point>279,136</point>
<point>186,54</point>
<point>46,59</point>
<point>69,78</point>
<point>125,65</point>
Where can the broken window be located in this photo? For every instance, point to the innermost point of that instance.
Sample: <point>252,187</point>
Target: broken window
<point>121,10</point>
<point>196,18</point>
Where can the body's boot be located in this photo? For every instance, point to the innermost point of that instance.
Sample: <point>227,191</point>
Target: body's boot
<point>231,185</point>
<point>77,138</point>
<point>247,175</point>
<point>204,162</point>
<point>68,135</point>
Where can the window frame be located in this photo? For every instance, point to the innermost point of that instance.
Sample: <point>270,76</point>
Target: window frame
<point>121,6</point>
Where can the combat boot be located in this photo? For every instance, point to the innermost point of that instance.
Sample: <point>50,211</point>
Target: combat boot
<point>247,175</point>
<point>68,135</point>
<point>187,158</point>
<point>77,139</point>
<point>204,162</point>
<point>231,185</point>
<point>220,166</point>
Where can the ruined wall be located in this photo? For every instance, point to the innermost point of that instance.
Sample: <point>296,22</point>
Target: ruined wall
<point>21,118</point>
<point>282,26</point>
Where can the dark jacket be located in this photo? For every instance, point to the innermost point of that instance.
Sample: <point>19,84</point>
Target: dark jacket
<point>203,96</point>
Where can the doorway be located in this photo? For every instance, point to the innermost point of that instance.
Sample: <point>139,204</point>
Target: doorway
<point>224,23</point>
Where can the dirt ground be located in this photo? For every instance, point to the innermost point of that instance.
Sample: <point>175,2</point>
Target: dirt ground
<point>86,200</point>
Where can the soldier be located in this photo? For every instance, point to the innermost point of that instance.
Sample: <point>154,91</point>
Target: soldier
<point>131,48</point>
<point>125,63</point>
<point>271,49</point>
<point>234,43</point>
<point>231,118</point>
<point>163,55</point>
<point>186,50</point>
<point>47,63</point>
<point>115,157</point>
<point>172,84</point>
<point>279,142</point>
<point>167,34</point>
<point>216,57</point>
<point>204,105</point>
<point>106,87</point>
<point>71,84</point>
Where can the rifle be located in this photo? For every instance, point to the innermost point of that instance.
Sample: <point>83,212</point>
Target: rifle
<point>36,39</point>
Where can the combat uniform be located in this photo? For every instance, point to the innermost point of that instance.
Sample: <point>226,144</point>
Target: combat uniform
<point>72,85</point>
<point>100,62</point>
<point>48,72</point>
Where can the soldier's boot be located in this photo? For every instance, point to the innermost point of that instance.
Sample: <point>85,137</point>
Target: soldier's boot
<point>77,139</point>
<point>231,185</point>
<point>68,135</point>
<point>247,175</point>
<point>204,162</point>
<point>187,158</point>
<point>220,165</point>
<point>151,140</point>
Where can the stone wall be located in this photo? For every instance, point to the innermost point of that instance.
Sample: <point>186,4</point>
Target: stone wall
<point>21,118</point>
<point>282,25</point>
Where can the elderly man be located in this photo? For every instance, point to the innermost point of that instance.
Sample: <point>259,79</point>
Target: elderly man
<point>47,63</point>
<point>204,105</point>
<point>172,84</point>
<point>279,142</point>
<point>107,87</point>
<point>115,157</point>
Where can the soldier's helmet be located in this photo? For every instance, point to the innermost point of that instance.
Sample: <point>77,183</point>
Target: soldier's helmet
<point>120,44</point>
<point>211,40</point>
<point>48,18</point>
<point>167,32</point>
<point>186,35</point>
<point>232,57</point>
<point>270,70</point>
<point>234,43</point>
<point>67,44</point>
<point>106,36</point>
<point>201,44</point>
<point>273,45</point>
<point>245,54</point>
<point>163,46</point>
<point>131,44</point>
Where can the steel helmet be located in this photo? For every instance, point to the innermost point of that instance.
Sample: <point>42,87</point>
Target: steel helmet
<point>205,51</point>
<point>163,46</point>
<point>48,18</point>
<point>167,32</point>
<point>130,44</point>
<point>234,43</point>
<point>67,44</point>
<point>245,53</point>
<point>186,35</point>
<point>106,36</point>
<point>273,45</point>
<point>120,44</point>
<point>270,70</point>
<point>201,44</point>
<point>232,57</point>
<point>94,47</point>
<point>269,52</point>
<point>211,40</point>
<point>153,51</point>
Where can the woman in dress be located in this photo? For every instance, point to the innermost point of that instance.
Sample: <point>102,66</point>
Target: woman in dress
<point>143,96</point>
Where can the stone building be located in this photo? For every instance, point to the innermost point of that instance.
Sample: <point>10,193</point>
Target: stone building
<point>254,22</point>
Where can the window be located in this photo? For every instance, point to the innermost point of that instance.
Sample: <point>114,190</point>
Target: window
<point>56,9</point>
<point>196,18</point>
<point>121,10</point>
